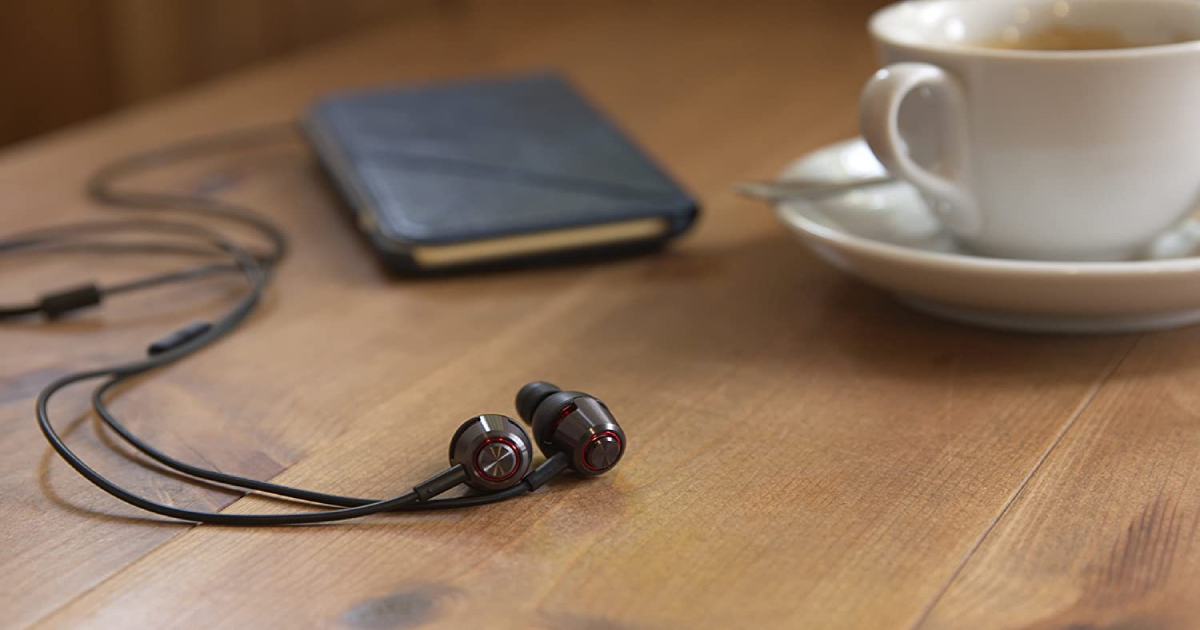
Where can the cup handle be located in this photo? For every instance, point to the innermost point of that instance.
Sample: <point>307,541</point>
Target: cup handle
<point>879,112</point>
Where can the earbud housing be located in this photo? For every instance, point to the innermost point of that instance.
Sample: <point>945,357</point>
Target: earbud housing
<point>494,451</point>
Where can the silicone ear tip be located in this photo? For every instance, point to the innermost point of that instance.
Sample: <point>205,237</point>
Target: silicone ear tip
<point>532,395</point>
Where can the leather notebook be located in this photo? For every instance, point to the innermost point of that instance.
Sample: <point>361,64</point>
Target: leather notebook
<point>492,171</point>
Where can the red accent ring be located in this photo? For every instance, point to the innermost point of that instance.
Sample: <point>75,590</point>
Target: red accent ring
<point>596,438</point>
<point>564,412</point>
<point>479,471</point>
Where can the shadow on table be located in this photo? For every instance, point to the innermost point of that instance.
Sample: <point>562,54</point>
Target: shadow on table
<point>770,305</point>
<point>221,496</point>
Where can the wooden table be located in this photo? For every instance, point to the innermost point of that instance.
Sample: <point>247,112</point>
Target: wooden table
<point>804,453</point>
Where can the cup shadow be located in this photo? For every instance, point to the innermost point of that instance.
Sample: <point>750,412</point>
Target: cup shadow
<point>798,308</point>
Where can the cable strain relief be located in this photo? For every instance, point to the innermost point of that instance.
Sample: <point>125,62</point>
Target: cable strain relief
<point>57,304</point>
<point>547,470</point>
<point>441,482</point>
<point>178,338</point>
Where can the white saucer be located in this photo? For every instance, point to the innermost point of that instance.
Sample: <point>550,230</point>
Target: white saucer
<point>886,236</point>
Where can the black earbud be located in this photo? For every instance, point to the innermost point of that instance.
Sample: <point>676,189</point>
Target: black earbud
<point>573,423</point>
<point>493,450</point>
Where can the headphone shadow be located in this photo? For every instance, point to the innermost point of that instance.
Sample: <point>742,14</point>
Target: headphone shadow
<point>419,519</point>
<point>47,487</point>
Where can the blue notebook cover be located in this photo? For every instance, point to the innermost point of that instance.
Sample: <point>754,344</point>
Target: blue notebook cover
<point>491,162</point>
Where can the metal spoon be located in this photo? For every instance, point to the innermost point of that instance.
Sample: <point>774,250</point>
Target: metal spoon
<point>793,189</point>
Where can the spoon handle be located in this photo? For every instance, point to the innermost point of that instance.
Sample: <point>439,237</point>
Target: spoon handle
<point>792,189</point>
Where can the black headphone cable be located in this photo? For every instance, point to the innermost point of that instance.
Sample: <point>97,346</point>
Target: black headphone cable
<point>256,267</point>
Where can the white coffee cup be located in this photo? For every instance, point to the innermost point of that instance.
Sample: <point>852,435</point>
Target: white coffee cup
<point>1041,154</point>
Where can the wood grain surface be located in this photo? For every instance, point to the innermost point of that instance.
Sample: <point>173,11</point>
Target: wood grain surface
<point>803,452</point>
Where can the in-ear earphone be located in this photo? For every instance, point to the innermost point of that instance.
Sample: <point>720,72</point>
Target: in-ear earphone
<point>490,453</point>
<point>493,451</point>
<point>573,423</point>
